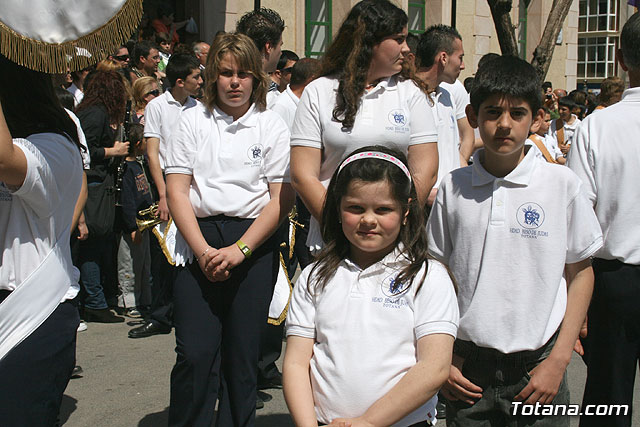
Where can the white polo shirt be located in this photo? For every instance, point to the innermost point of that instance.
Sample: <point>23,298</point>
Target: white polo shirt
<point>231,162</point>
<point>286,105</point>
<point>78,95</point>
<point>549,143</point>
<point>448,134</point>
<point>33,216</point>
<point>506,241</point>
<point>365,335</point>
<point>395,114</point>
<point>569,130</point>
<point>460,97</point>
<point>161,117</point>
<point>605,156</point>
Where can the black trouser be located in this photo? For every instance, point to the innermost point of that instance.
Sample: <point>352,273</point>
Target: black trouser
<point>35,373</point>
<point>163,276</point>
<point>218,327</point>
<point>612,347</point>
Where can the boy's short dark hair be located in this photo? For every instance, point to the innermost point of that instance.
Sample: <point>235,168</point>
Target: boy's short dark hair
<point>142,48</point>
<point>286,56</point>
<point>437,38</point>
<point>262,26</point>
<point>412,42</point>
<point>509,76</point>
<point>565,101</point>
<point>630,40</point>
<point>65,97</point>
<point>136,132</point>
<point>162,38</point>
<point>180,66</point>
<point>546,85</point>
<point>303,70</point>
<point>486,58</point>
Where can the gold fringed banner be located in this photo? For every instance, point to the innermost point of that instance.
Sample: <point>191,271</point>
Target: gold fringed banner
<point>57,57</point>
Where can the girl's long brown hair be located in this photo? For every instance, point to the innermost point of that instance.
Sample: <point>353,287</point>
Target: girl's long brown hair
<point>349,56</point>
<point>412,236</point>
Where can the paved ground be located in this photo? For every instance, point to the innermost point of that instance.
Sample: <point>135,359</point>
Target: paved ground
<point>126,382</point>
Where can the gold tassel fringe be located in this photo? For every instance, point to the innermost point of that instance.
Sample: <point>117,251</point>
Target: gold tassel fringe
<point>56,57</point>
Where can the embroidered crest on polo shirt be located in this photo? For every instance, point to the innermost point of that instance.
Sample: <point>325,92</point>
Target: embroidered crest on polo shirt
<point>530,216</point>
<point>255,153</point>
<point>398,120</point>
<point>393,298</point>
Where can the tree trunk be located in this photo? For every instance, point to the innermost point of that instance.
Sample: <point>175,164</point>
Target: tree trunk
<point>500,11</point>
<point>544,52</point>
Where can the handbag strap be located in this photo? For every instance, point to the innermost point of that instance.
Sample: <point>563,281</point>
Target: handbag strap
<point>560,131</point>
<point>543,149</point>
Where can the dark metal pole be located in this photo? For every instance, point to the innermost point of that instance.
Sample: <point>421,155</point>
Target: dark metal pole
<point>453,13</point>
<point>256,4</point>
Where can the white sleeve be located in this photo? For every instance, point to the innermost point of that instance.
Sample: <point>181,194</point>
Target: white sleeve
<point>439,238</point>
<point>580,160</point>
<point>423,125</point>
<point>301,319</point>
<point>435,303</point>
<point>276,160</point>
<point>182,152</point>
<point>40,190</point>
<point>584,235</point>
<point>461,99</point>
<point>307,128</point>
<point>152,121</point>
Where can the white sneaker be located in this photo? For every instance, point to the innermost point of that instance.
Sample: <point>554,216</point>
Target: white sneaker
<point>82,326</point>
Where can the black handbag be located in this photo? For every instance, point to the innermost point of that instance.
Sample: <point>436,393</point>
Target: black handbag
<point>100,209</point>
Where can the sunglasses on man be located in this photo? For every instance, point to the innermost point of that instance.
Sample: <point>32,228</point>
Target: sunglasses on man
<point>122,57</point>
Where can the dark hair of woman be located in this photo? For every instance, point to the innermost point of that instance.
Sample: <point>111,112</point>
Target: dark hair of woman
<point>413,236</point>
<point>107,89</point>
<point>349,56</point>
<point>30,105</point>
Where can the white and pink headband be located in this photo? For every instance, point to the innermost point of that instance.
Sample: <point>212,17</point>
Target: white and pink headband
<point>375,155</point>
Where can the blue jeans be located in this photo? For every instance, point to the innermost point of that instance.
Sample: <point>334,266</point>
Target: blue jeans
<point>95,258</point>
<point>501,377</point>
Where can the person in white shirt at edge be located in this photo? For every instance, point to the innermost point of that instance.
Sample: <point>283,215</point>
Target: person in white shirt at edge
<point>353,105</point>
<point>303,73</point>
<point>40,180</point>
<point>265,26</point>
<point>460,98</point>
<point>162,114</point>
<point>372,321</point>
<point>546,140</point>
<point>509,241</point>
<point>228,191</point>
<point>439,58</point>
<point>562,129</point>
<point>605,155</point>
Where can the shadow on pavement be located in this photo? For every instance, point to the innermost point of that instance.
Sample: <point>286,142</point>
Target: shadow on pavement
<point>68,405</point>
<point>274,420</point>
<point>156,419</point>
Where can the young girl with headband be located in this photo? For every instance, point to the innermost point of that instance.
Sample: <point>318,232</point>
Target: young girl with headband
<point>372,322</point>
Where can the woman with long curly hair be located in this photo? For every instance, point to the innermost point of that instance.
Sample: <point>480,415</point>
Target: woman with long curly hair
<point>365,96</point>
<point>228,190</point>
<point>101,114</point>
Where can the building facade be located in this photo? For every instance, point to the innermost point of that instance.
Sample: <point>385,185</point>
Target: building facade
<point>584,51</point>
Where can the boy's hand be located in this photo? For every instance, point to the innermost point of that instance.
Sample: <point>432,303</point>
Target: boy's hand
<point>544,384</point>
<point>458,387</point>
<point>226,259</point>
<point>578,348</point>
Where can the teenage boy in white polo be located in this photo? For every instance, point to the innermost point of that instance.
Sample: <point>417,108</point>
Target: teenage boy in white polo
<point>606,154</point>
<point>507,240</point>
<point>161,117</point>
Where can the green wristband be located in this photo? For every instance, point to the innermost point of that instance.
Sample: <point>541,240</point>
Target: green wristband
<point>244,248</point>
